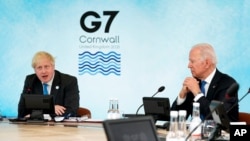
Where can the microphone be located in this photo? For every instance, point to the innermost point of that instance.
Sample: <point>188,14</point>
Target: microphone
<point>238,101</point>
<point>158,91</point>
<point>28,86</point>
<point>231,91</point>
<point>28,90</point>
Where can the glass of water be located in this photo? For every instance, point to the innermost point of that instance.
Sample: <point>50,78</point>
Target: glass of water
<point>207,128</point>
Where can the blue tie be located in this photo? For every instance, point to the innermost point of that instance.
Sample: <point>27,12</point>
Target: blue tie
<point>45,90</point>
<point>203,83</point>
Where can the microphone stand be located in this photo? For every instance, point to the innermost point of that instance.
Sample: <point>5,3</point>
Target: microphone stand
<point>142,104</point>
<point>239,100</point>
<point>159,90</point>
<point>138,110</point>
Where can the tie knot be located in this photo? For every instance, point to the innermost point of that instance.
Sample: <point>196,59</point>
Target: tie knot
<point>203,83</point>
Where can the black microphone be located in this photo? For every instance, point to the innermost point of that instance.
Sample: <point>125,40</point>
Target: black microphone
<point>236,103</point>
<point>159,90</point>
<point>28,90</point>
<point>231,91</point>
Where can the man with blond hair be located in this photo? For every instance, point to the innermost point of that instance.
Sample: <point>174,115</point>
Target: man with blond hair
<point>62,86</point>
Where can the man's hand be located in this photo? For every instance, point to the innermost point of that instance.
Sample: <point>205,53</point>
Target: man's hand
<point>183,92</point>
<point>192,85</point>
<point>59,110</point>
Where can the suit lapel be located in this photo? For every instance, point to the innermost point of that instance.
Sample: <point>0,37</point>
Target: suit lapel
<point>36,85</point>
<point>56,84</point>
<point>213,85</point>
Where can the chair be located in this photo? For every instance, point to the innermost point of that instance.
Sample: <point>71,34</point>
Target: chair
<point>83,112</point>
<point>244,117</point>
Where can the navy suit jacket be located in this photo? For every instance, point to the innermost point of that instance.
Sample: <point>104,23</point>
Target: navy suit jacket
<point>64,89</point>
<point>216,91</point>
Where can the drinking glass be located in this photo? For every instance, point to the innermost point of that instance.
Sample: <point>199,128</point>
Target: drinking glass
<point>207,128</point>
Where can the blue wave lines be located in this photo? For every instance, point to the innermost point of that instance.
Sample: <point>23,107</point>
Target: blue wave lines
<point>99,63</point>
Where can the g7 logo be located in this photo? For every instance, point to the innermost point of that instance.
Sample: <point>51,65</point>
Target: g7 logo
<point>97,24</point>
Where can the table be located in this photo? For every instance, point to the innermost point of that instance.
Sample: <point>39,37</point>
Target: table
<point>90,130</point>
<point>55,131</point>
<point>51,131</point>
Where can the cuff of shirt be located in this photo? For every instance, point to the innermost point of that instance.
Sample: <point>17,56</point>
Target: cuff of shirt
<point>198,96</point>
<point>180,100</point>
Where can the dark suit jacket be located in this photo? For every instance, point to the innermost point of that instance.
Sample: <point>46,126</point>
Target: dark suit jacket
<point>64,89</point>
<point>216,91</point>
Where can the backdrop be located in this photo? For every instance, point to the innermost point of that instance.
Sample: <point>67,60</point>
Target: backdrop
<point>124,50</point>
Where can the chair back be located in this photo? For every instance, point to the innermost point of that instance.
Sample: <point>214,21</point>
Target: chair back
<point>83,112</point>
<point>244,117</point>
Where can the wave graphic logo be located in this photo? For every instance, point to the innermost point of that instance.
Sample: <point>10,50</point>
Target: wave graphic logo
<point>99,62</point>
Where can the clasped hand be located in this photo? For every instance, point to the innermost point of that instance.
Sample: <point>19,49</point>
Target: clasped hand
<point>190,84</point>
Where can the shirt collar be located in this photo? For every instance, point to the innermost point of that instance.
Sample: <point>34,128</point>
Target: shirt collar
<point>210,77</point>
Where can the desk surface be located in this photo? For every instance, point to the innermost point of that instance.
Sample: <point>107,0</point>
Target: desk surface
<point>61,131</point>
<point>51,131</point>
